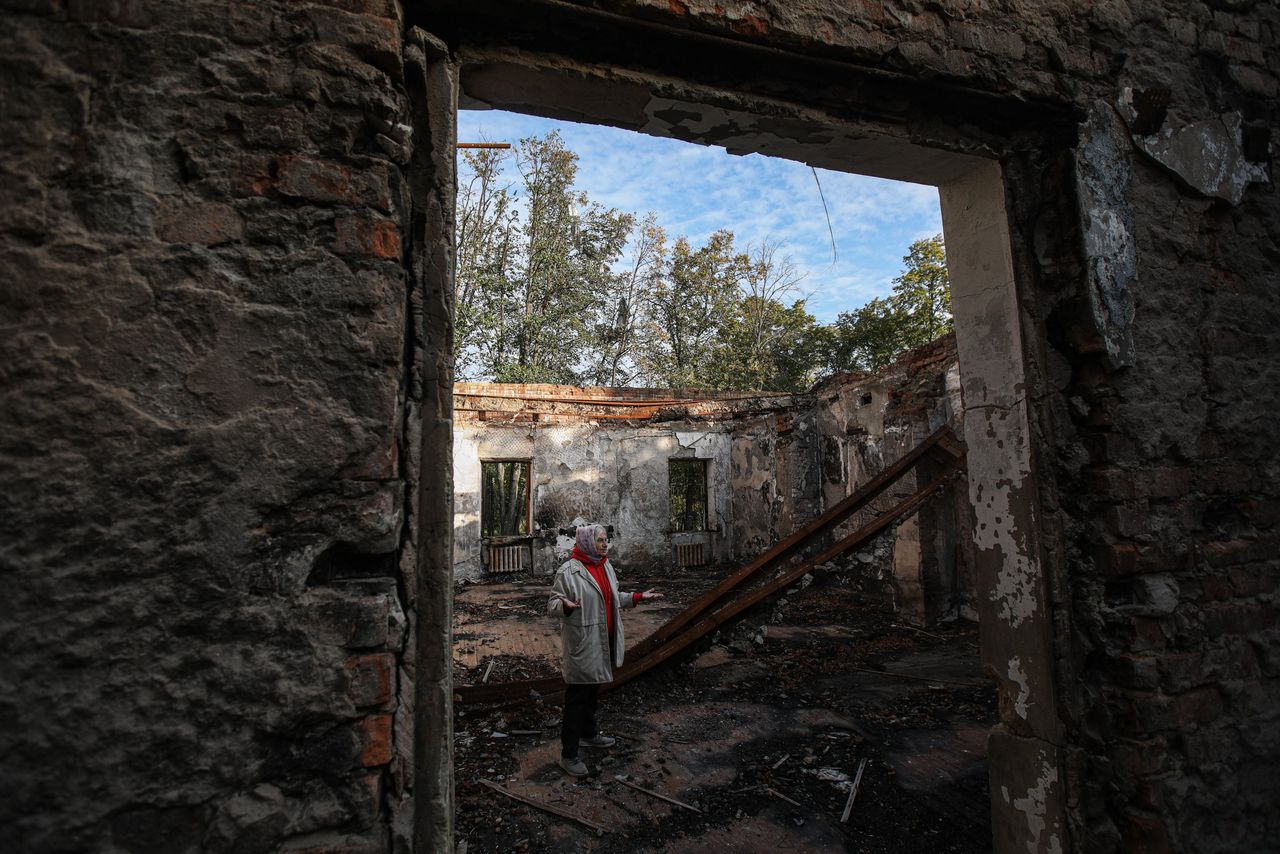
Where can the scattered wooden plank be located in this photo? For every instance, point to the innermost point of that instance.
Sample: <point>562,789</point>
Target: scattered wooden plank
<point>784,758</point>
<point>487,671</point>
<point>853,790</point>
<point>526,732</point>
<point>536,804</point>
<point>657,795</point>
<point>781,796</point>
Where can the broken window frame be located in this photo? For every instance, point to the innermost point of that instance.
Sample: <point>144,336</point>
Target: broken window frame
<point>679,521</point>
<point>524,523</point>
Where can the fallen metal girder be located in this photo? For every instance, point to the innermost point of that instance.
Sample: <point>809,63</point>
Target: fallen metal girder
<point>737,606</point>
<point>787,546</point>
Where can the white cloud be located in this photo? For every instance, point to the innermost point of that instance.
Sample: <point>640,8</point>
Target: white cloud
<point>695,190</point>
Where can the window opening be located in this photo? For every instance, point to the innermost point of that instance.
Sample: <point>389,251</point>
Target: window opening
<point>504,509</point>
<point>688,485</point>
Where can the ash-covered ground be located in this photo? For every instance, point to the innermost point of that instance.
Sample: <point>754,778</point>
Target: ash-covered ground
<point>761,731</point>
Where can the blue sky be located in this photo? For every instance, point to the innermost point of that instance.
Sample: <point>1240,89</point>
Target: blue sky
<point>695,190</point>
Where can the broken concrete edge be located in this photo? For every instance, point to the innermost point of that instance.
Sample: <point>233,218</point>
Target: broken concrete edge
<point>1102,186</point>
<point>1206,155</point>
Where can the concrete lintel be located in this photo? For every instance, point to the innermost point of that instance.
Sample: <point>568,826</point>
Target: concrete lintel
<point>739,125</point>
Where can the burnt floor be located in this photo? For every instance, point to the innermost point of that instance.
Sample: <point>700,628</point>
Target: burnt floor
<point>762,735</point>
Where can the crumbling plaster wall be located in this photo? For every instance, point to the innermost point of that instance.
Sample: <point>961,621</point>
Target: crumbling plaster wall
<point>206,315</point>
<point>1126,225</point>
<point>866,423</point>
<point>774,478</point>
<point>609,474</point>
<point>768,472</point>
<point>1133,308</point>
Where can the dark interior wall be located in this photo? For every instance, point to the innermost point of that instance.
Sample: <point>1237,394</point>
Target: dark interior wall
<point>204,312</point>
<point>204,338</point>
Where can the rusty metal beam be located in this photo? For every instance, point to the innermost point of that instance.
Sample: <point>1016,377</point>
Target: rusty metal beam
<point>737,606</point>
<point>788,546</point>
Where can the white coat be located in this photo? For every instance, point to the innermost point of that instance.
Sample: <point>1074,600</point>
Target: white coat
<point>584,631</point>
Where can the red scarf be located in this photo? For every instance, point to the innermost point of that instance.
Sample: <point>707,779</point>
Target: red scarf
<point>595,566</point>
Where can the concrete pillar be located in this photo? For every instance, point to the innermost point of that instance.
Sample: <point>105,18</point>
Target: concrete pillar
<point>1014,621</point>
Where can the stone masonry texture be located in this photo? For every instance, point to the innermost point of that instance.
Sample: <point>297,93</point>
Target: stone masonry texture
<point>208,349</point>
<point>204,313</point>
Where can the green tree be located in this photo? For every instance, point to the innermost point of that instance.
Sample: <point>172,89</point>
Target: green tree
<point>533,263</point>
<point>870,337</point>
<point>762,344</point>
<point>617,331</point>
<point>688,305</point>
<point>923,291</point>
<point>486,227</point>
<point>917,312</point>
<point>766,346</point>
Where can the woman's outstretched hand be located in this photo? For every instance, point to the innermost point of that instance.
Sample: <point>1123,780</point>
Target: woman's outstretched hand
<point>651,594</point>
<point>569,604</point>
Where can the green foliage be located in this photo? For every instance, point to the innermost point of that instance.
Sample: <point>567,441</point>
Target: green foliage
<point>917,312</point>
<point>533,258</point>
<point>686,308</point>
<point>554,288</point>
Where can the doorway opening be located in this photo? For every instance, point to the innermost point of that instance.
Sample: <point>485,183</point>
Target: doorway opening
<point>1012,600</point>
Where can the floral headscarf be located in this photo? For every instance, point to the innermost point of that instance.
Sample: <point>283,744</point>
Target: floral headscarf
<point>586,542</point>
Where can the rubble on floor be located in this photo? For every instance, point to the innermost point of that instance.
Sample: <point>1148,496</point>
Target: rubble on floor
<point>758,733</point>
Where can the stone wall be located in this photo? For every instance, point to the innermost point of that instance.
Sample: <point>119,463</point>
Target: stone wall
<point>207,303</point>
<point>602,455</point>
<point>1136,148</point>
<point>205,313</point>
<point>610,475</point>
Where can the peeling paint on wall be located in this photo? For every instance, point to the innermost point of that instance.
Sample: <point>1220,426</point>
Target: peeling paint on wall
<point>1019,678</point>
<point>1033,806</point>
<point>999,484</point>
<point>1208,155</point>
<point>1102,183</point>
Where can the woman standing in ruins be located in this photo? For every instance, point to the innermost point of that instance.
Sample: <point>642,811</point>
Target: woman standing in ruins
<point>586,598</point>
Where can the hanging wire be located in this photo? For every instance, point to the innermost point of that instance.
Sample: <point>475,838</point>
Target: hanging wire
<point>830,230</point>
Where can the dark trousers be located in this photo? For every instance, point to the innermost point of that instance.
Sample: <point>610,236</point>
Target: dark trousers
<point>579,717</point>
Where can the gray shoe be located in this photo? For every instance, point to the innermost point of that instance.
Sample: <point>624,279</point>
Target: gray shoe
<point>574,766</point>
<point>597,740</point>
